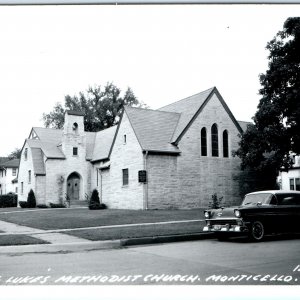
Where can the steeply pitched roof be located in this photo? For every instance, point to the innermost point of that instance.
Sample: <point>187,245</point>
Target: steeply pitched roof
<point>190,107</point>
<point>103,142</point>
<point>3,160</point>
<point>187,108</point>
<point>50,149</point>
<point>90,144</point>
<point>153,128</point>
<point>38,162</point>
<point>49,134</point>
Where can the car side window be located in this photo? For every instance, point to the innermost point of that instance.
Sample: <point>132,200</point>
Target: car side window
<point>289,199</point>
<point>273,200</point>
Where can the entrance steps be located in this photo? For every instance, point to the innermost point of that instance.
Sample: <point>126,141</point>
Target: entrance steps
<point>79,203</point>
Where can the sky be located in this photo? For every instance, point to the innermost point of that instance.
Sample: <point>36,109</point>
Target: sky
<point>164,53</point>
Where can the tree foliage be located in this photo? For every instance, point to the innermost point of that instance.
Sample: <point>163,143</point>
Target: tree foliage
<point>267,144</point>
<point>15,154</point>
<point>101,106</point>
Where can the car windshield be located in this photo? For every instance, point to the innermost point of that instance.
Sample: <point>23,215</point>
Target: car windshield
<point>253,199</point>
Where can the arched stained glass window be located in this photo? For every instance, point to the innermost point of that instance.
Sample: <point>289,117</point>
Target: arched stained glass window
<point>214,140</point>
<point>225,144</point>
<point>203,142</point>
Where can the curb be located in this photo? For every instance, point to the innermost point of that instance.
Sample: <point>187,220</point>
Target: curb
<point>165,239</point>
<point>100,245</point>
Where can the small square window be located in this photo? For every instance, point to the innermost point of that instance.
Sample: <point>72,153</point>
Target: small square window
<point>14,172</point>
<point>75,151</point>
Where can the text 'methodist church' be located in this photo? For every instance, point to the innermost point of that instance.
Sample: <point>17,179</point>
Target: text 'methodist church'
<point>175,157</point>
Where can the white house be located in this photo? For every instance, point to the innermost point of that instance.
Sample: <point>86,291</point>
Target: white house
<point>8,176</point>
<point>290,180</point>
<point>174,157</point>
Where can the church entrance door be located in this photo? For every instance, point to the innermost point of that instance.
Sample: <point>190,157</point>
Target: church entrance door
<point>73,187</point>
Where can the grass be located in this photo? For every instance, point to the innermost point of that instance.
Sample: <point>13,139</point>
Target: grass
<point>52,219</point>
<point>19,239</point>
<point>49,219</point>
<point>138,231</point>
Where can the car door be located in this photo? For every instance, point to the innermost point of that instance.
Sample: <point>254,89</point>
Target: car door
<point>288,212</point>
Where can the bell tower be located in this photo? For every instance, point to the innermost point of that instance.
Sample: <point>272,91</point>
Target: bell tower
<point>74,139</point>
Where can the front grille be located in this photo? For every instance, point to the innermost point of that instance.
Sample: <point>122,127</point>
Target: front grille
<point>223,222</point>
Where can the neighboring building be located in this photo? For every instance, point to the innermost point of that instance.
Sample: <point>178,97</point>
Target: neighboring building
<point>174,157</point>
<point>8,176</point>
<point>290,180</point>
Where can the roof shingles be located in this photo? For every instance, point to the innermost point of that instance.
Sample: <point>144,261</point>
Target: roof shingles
<point>153,128</point>
<point>187,108</point>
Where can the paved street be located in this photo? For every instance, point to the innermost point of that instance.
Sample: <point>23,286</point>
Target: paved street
<point>275,261</point>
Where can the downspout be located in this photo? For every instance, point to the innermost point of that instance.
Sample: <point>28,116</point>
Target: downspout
<point>146,183</point>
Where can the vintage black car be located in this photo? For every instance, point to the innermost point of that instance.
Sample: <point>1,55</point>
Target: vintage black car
<point>260,213</point>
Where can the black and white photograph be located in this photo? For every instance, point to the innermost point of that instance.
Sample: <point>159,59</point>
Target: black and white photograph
<point>149,151</point>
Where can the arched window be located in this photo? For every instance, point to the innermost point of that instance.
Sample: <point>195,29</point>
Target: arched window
<point>225,144</point>
<point>214,141</point>
<point>203,142</point>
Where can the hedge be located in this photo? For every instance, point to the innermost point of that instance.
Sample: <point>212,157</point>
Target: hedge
<point>9,200</point>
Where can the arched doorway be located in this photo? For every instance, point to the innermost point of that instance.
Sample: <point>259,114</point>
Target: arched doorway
<point>73,186</point>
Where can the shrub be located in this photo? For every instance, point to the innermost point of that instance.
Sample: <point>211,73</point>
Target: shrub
<point>42,206</point>
<point>23,204</point>
<point>215,201</point>
<point>57,205</point>
<point>31,201</point>
<point>9,200</point>
<point>95,201</point>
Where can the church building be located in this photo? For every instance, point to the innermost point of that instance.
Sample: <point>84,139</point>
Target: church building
<point>176,157</point>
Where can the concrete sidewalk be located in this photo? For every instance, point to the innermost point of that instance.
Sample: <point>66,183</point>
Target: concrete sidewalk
<point>53,238</point>
<point>60,242</point>
<point>100,245</point>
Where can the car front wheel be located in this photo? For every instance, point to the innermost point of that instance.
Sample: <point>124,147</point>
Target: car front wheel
<point>257,231</point>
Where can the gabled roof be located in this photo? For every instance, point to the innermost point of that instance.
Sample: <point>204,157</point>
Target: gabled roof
<point>13,163</point>
<point>103,143</point>
<point>49,134</point>
<point>50,149</point>
<point>190,107</point>
<point>187,108</point>
<point>153,128</point>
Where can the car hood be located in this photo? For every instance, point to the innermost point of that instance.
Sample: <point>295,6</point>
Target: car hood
<point>221,213</point>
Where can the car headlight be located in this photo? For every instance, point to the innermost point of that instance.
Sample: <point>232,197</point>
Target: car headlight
<point>207,214</point>
<point>237,213</point>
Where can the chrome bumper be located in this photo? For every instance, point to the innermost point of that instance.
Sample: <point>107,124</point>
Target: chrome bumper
<point>226,228</point>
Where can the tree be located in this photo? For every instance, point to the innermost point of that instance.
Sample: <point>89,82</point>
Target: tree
<point>101,107</point>
<point>267,144</point>
<point>15,154</point>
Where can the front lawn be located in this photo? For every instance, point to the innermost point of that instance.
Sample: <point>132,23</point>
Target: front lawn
<point>19,239</point>
<point>101,234</point>
<point>66,218</point>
